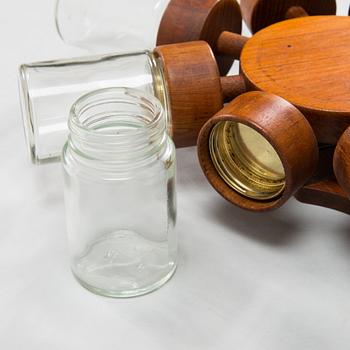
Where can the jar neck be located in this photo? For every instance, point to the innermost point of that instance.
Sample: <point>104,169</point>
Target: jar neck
<point>117,126</point>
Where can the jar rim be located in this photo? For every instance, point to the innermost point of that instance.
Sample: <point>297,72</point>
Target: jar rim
<point>116,95</point>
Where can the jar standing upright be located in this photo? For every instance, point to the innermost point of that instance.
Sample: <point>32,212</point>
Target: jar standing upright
<point>119,170</point>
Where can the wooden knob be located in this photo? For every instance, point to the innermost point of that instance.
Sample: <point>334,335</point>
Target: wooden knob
<point>194,87</point>
<point>258,151</point>
<point>259,14</point>
<point>295,12</point>
<point>341,161</point>
<point>185,21</point>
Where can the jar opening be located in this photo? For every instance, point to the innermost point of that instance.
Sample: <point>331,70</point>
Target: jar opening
<point>117,125</point>
<point>246,161</point>
<point>116,113</point>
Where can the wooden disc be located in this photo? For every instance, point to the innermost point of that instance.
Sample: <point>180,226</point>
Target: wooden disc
<point>185,21</point>
<point>307,62</point>
<point>259,14</point>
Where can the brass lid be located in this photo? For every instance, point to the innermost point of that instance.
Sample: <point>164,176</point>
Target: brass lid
<point>246,161</point>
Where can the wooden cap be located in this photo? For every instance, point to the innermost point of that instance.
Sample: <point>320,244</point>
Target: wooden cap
<point>341,162</point>
<point>193,83</point>
<point>185,21</point>
<point>259,14</point>
<point>283,127</point>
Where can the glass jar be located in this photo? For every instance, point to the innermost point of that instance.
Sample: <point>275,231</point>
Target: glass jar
<point>49,89</point>
<point>100,25</point>
<point>119,170</point>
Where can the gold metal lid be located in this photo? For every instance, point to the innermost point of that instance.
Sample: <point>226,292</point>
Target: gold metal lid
<point>246,161</point>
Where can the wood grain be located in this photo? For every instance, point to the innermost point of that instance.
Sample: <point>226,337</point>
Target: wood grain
<point>323,189</point>
<point>194,87</point>
<point>232,86</point>
<point>185,21</point>
<point>295,12</point>
<point>325,193</point>
<point>307,62</point>
<point>259,14</point>
<point>342,162</point>
<point>281,124</point>
<point>231,44</point>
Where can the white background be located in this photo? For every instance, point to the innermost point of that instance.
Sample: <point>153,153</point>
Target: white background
<point>275,281</point>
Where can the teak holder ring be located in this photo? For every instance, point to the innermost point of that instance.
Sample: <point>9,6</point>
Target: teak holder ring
<point>280,123</point>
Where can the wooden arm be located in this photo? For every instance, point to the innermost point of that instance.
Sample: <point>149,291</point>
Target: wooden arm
<point>231,44</point>
<point>232,86</point>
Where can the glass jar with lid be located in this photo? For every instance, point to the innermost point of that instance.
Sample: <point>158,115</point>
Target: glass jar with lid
<point>119,171</point>
<point>184,77</point>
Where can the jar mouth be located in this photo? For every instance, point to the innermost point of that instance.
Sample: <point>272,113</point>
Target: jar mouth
<point>246,161</point>
<point>116,114</point>
<point>117,125</point>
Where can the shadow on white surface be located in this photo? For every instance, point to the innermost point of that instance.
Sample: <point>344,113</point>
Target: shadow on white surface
<point>275,228</point>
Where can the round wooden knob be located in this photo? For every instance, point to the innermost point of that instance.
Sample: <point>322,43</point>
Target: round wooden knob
<point>259,14</point>
<point>258,151</point>
<point>341,162</point>
<point>185,21</point>
<point>194,87</point>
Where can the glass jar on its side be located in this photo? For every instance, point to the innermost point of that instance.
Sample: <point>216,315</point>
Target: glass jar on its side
<point>100,25</point>
<point>119,170</point>
<point>49,89</point>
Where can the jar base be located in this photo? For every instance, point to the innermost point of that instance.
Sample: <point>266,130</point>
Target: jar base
<point>127,294</point>
<point>124,264</point>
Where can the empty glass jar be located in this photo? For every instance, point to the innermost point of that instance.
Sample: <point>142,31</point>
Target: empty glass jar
<point>49,89</point>
<point>100,25</point>
<point>119,170</point>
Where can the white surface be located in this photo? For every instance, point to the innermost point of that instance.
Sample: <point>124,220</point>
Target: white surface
<point>275,281</point>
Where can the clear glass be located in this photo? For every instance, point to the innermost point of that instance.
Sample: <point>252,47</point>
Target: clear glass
<point>119,167</point>
<point>49,89</point>
<point>100,25</point>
